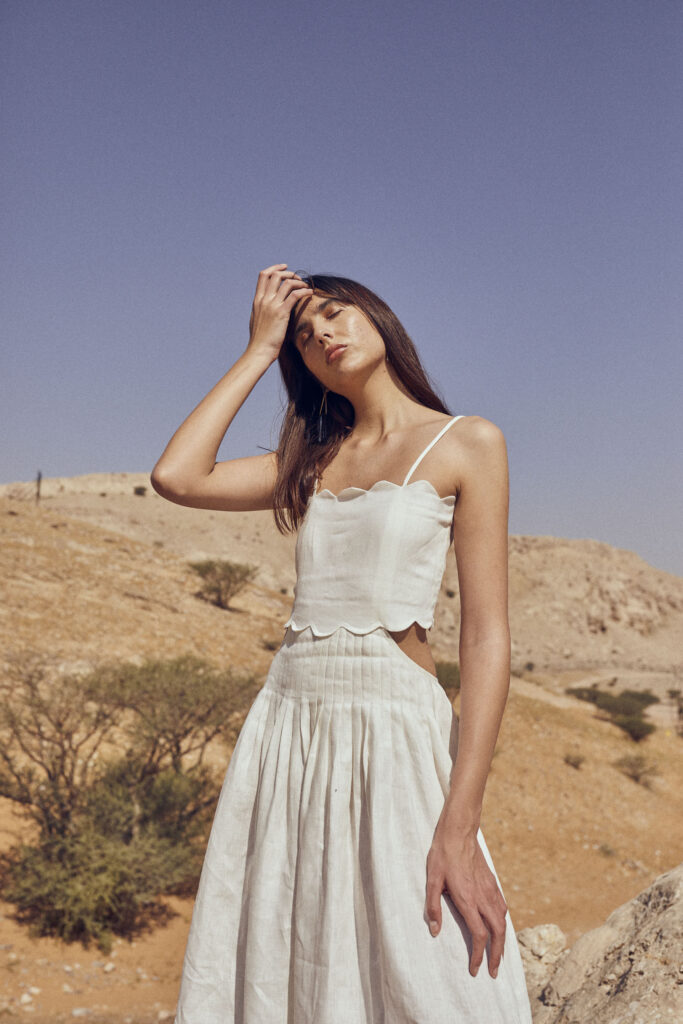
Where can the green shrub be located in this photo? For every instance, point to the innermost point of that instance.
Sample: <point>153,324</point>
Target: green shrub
<point>625,710</point>
<point>222,580</point>
<point>448,674</point>
<point>88,887</point>
<point>634,725</point>
<point>113,834</point>
<point>638,768</point>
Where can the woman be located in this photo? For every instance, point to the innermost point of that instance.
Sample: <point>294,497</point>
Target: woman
<point>352,800</point>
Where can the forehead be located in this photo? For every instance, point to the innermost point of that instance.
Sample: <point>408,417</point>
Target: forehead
<point>310,307</point>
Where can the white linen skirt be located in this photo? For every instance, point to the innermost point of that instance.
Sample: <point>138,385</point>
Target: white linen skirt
<point>310,907</point>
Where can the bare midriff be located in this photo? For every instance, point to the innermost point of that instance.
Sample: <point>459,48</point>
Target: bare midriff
<point>413,642</point>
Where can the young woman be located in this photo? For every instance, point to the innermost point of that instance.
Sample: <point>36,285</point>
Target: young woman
<point>346,879</point>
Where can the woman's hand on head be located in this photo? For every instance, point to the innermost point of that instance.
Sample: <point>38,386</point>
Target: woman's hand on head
<point>277,292</point>
<point>456,863</point>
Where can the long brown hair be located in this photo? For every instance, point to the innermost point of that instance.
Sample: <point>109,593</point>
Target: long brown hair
<point>301,457</point>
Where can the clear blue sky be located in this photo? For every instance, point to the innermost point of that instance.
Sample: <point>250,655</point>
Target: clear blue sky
<point>506,175</point>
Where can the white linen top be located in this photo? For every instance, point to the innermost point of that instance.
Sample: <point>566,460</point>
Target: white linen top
<point>372,557</point>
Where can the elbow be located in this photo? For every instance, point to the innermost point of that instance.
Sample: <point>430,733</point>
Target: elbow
<point>164,485</point>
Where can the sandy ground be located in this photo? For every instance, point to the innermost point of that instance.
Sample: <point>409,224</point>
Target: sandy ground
<point>95,572</point>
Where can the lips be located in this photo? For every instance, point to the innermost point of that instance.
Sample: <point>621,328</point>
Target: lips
<point>332,352</point>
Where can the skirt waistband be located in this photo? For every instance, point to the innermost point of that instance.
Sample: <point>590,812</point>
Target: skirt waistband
<point>352,667</point>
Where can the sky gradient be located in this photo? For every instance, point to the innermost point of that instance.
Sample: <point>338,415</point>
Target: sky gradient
<point>507,176</point>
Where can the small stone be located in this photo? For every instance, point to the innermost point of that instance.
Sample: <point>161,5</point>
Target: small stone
<point>25,998</point>
<point>34,990</point>
<point>80,1011</point>
<point>66,987</point>
<point>109,967</point>
<point>164,1015</point>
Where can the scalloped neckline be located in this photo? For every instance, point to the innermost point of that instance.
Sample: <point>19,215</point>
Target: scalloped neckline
<point>377,484</point>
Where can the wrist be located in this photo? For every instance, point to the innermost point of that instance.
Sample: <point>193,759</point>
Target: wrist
<point>257,358</point>
<point>459,816</point>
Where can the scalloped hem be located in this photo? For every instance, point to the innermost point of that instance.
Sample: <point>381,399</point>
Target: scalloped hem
<point>357,630</point>
<point>383,485</point>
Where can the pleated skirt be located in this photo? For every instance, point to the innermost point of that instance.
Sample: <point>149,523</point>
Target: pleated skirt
<point>310,907</point>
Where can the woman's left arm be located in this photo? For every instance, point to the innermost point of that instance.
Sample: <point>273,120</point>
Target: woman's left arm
<point>455,861</point>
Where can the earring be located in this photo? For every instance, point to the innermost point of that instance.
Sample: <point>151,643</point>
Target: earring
<point>320,415</point>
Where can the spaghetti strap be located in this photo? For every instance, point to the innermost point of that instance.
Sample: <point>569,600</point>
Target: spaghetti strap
<point>431,444</point>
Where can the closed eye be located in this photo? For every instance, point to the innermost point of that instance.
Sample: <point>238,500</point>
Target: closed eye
<point>303,335</point>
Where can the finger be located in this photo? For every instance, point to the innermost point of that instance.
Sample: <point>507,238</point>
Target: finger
<point>479,934</point>
<point>296,288</point>
<point>275,281</point>
<point>497,925</point>
<point>434,888</point>
<point>264,277</point>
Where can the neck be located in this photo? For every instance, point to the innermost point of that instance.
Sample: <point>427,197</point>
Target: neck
<point>381,405</point>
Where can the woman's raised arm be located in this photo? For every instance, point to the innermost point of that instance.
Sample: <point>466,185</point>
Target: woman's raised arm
<point>187,472</point>
<point>455,860</point>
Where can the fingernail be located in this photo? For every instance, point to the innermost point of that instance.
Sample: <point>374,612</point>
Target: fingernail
<point>433,927</point>
<point>495,973</point>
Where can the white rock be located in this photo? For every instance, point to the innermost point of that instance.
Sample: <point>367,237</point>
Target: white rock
<point>25,998</point>
<point>545,941</point>
<point>626,970</point>
<point>109,967</point>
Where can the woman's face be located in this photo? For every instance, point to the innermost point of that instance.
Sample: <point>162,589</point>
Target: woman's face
<point>325,324</point>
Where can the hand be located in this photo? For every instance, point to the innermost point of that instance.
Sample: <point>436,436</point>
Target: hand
<point>277,291</point>
<point>455,862</point>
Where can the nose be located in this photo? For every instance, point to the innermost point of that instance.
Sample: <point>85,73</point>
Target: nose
<point>323,333</point>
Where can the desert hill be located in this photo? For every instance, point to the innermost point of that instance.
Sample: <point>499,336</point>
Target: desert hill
<point>94,571</point>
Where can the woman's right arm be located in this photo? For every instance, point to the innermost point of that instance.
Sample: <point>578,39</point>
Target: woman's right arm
<point>187,472</point>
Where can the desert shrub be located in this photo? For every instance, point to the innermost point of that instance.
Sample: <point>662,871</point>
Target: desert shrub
<point>88,886</point>
<point>222,580</point>
<point>448,674</point>
<point>606,850</point>
<point>625,709</point>
<point>638,768</point>
<point>634,725</point>
<point>140,490</point>
<point>574,760</point>
<point>112,833</point>
<point>529,667</point>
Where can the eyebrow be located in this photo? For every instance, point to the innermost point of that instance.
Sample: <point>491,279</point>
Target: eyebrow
<point>323,305</point>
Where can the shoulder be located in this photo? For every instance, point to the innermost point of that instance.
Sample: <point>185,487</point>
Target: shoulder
<point>482,457</point>
<point>484,462</point>
<point>481,436</point>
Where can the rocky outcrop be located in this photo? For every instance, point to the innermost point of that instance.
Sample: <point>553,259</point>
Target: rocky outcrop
<point>627,971</point>
<point>541,947</point>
